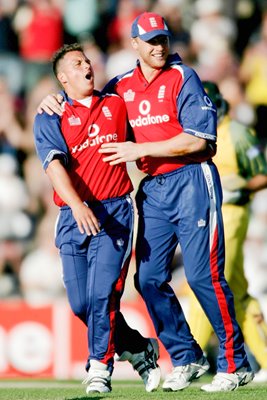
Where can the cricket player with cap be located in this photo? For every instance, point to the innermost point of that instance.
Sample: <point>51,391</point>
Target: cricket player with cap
<point>174,127</point>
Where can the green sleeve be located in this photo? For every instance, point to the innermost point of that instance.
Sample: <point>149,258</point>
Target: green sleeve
<point>251,160</point>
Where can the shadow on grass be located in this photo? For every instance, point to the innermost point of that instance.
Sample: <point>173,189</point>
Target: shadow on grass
<point>95,397</point>
<point>86,398</point>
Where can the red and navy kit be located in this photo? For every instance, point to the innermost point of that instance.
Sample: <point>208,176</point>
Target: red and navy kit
<point>172,103</point>
<point>76,138</point>
<point>179,202</point>
<point>94,267</point>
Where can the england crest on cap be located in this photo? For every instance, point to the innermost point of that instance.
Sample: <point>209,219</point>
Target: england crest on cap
<point>149,25</point>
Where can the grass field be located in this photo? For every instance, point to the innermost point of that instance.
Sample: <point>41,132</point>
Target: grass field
<point>73,390</point>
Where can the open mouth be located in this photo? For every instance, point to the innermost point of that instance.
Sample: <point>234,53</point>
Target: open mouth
<point>88,76</point>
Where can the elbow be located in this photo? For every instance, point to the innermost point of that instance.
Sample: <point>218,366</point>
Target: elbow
<point>200,146</point>
<point>211,149</point>
<point>207,148</point>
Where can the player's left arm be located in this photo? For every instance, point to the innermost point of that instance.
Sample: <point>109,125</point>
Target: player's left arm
<point>197,116</point>
<point>182,145</point>
<point>256,183</point>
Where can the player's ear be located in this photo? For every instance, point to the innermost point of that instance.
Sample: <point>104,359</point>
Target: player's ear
<point>134,43</point>
<point>61,76</point>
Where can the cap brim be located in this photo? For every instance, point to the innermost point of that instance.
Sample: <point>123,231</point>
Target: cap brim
<point>150,35</point>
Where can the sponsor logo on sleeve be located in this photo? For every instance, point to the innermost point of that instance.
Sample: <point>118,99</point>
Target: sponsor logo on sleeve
<point>209,105</point>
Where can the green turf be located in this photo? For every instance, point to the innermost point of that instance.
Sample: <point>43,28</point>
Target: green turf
<point>66,390</point>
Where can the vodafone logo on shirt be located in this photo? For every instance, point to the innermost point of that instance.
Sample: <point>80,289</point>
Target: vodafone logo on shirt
<point>145,118</point>
<point>94,139</point>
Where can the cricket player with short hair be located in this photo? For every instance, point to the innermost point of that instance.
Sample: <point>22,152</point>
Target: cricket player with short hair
<point>94,229</point>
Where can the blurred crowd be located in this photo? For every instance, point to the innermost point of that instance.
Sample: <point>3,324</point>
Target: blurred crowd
<point>223,40</point>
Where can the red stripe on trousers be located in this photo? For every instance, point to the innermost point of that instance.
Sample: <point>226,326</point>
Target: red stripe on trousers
<point>227,322</point>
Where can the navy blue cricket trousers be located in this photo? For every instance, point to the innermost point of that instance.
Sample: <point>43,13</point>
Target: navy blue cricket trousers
<point>95,269</point>
<point>184,206</point>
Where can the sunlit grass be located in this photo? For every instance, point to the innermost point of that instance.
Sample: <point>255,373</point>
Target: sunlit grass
<point>74,390</point>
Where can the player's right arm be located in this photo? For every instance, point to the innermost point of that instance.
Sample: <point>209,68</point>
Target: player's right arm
<point>52,150</point>
<point>83,215</point>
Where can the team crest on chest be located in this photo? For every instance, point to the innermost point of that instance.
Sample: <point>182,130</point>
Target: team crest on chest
<point>129,95</point>
<point>161,93</point>
<point>107,112</point>
<point>74,121</point>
